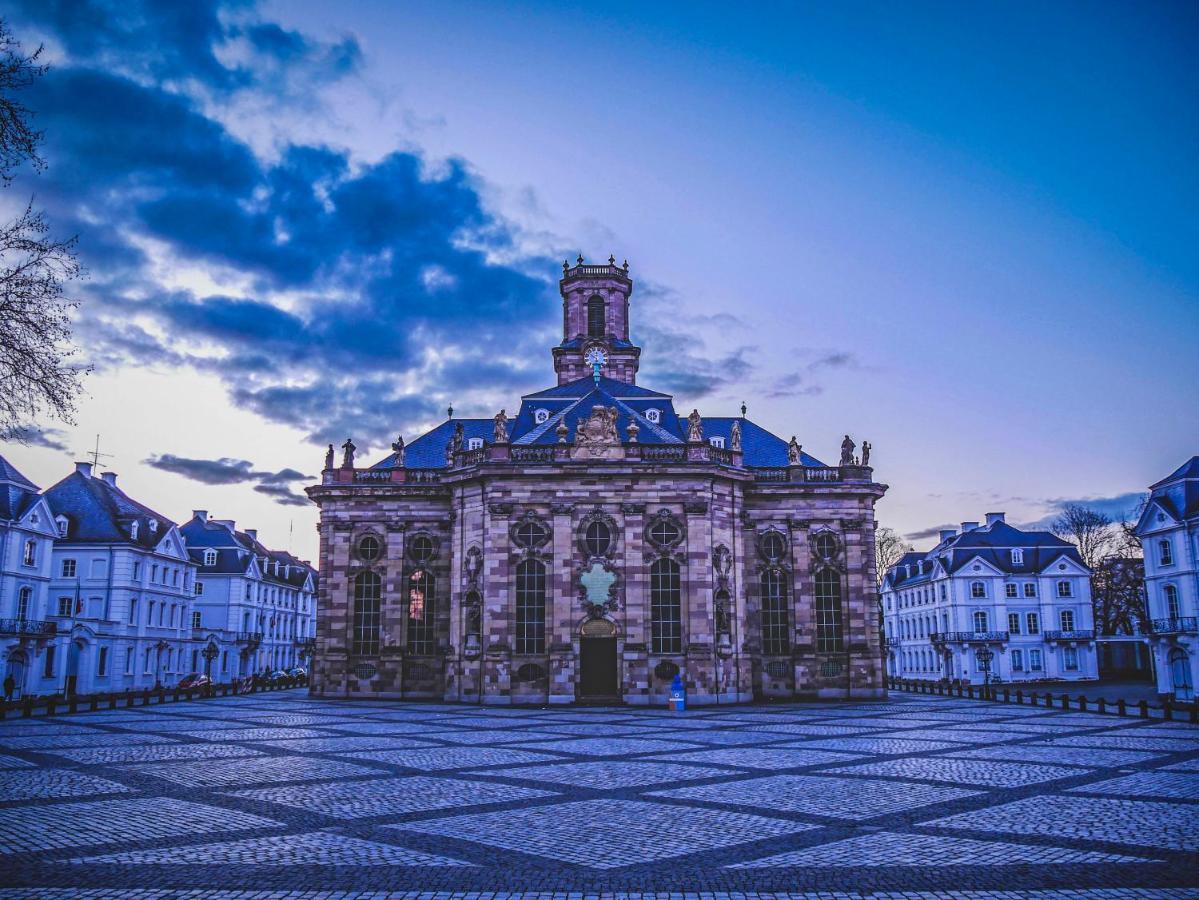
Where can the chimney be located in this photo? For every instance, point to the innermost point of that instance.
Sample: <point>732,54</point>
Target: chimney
<point>253,533</point>
<point>907,570</point>
<point>947,533</point>
<point>109,478</point>
<point>201,514</point>
<point>968,526</point>
<point>84,468</point>
<point>228,523</point>
<point>992,518</point>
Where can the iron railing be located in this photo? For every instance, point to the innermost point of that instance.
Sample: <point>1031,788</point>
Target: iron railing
<point>1183,625</point>
<point>1082,635</point>
<point>974,637</point>
<point>31,627</point>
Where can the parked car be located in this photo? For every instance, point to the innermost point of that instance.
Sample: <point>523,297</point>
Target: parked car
<point>194,680</point>
<point>299,674</point>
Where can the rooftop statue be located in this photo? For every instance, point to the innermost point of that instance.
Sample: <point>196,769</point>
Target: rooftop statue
<point>794,452</point>
<point>329,457</point>
<point>501,427</point>
<point>398,447</point>
<point>866,448</point>
<point>347,459</point>
<point>847,448</point>
<point>695,428</point>
<point>735,436</point>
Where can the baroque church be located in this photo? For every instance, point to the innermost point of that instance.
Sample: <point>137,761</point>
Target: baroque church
<point>595,544</point>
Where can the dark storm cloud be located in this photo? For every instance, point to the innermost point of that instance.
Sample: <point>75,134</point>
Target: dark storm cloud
<point>393,304</point>
<point>1119,507</point>
<point>276,485</point>
<point>50,438</point>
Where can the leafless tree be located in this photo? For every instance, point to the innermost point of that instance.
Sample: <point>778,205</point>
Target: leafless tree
<point>1090,530</point>
<point>889,547</point>
<point>37,373</point>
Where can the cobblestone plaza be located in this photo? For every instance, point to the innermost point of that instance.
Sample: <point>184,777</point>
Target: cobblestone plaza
<point>281,795</point>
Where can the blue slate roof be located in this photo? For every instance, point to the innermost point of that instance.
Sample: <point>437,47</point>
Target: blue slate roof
<point>236,550</point>
<point>10,476</point>
<point>17,493</point>
<point>992,544</point>
<point>574,401</point>
<point>98,512</point>
<point>1178,493</point>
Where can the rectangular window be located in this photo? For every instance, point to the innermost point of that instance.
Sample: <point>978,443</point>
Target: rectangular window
<point>1066,617</point>
<point>99,568</point>
<point>199,587</point>
<point>1071,657</point>
<point>1017,557</point>
<point>943,595</point>
<point>1034,623</point>
<point>29,557</point>
<point>224,660</point>
<point>68,568</point>
<point>64,606</point>
<point>195,660</point>
<point>1017,661</point>
<point>146,668</point>
<point>102,662</point>
<point>133,611</point>
<point>530,607</point>
<point>154,572</point>
<point>1013,623</point>
<point>1165,552</point>
<point>129,661</point>
<point>830,630</point>
<point>196,619</point>
<point>1009,590</point>
<point>776,621</point>
<point>1065,589</point>
<point>48,669</point>
<point>1030,589</point>
<point>1034,660</point>
<point>980,621</point>
<point>978,590</point>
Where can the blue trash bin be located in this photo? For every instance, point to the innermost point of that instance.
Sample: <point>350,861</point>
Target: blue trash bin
<point>678,695</point>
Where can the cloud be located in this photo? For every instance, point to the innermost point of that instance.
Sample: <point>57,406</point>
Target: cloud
<point>926,533</point>
<point>282,495</point>
<point>1118,507</point>
<point>50,438</point>
<point>792,385</point>
<point>235,471</point>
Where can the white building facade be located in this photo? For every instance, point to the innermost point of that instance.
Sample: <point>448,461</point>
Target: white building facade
<point>1169,533</point>
<point>27,535</point>
<point>254,609</point>
<point>990,603</point>
<point>119,594</point>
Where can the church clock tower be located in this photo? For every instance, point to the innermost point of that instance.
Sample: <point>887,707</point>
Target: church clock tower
<point>595,316</point>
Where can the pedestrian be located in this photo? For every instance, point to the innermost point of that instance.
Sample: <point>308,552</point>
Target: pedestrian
<point>10,685</point>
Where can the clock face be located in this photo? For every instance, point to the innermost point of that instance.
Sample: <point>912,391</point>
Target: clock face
<point>595,357</point>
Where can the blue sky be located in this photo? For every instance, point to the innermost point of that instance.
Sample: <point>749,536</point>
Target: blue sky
<point>965,233</point>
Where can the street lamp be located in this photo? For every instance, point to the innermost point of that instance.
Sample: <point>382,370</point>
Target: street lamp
<point>985,655</point>
<point>209,653</point>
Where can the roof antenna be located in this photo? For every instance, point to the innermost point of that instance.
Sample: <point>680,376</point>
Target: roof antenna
<point>96,454</point>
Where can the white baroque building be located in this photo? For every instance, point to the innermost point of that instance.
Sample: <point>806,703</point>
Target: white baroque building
<point>990,602</point>
<point>120,592</point>
<point>1169,533</point>
<point>27,535</point>
<point>254,609</point>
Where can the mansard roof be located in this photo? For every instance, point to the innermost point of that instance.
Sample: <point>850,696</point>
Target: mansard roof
<point>573,402</point>
<point>99,512</point>
<point>237,551</point>
<point>990,544</point>
<point>17,493</point>
<point>1178,493</point>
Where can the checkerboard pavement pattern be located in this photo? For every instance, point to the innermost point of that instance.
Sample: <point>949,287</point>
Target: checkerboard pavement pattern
<point>282,796</point>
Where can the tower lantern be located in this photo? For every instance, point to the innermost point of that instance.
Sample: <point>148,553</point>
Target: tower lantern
<point>595,316</point>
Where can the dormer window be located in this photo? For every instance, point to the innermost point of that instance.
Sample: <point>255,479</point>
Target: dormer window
<point>474,443</point>
<point>133,528</point>
<point>1017,557</point>
<point>541,416</point>
<point>61,522</point>
<point>653,415</point>
<point>717,442</point>
<point>153,526</point>
<point>210,557</point>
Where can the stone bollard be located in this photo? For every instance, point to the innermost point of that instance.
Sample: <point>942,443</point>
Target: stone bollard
<point>1167,710</point>
<point>1019,697</point>
<point>112,700</point>
<point>73,704</point>
<point>1007,695</point>
<point>1065,698</point>
<point>50,704</point>
<point>95,702</point>
<point>1102,705</point>
<point>1082,703</point>
<point>1121,709</point>
<point>145,696</point>
<point>128,697</point>
<point>1143,706</point>
<point>27,707</point>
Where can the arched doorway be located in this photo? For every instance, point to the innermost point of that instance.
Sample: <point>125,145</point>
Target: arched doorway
<point>1180,676</point>
<point>598,671</point>
<point>16,668</point>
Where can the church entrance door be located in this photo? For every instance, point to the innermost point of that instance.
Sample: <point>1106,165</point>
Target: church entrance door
<point>597,661</point>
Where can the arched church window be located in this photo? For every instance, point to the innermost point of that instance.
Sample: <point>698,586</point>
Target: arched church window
<point>369,548</point>
<point>597,538</point>
<point>829,626</point>
<point>776,614</point>
<point>773,546</point>
<point>665,607</point>
<point>421,549</point>
<point>664,532</point>
<point>530,607</point>
<point>825,545</point>
<point>420,613</point>
<point>653,415</point>
<point>541,416</point>
<point>595,318</point>
<point>368,592</point>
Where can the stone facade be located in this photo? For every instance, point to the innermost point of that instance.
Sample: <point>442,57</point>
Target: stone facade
<point>596,547</point>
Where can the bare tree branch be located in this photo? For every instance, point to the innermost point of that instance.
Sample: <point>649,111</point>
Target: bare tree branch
<point>18,139</point>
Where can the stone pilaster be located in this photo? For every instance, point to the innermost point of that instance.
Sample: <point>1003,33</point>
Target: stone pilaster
<point>560,628</point>
<point>638,680</point>
<point>497,605</point>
